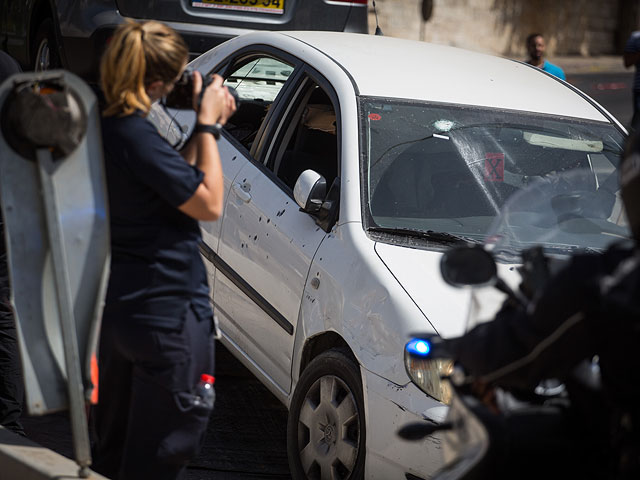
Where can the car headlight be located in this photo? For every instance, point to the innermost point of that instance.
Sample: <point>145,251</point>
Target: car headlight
<point>426,372</point>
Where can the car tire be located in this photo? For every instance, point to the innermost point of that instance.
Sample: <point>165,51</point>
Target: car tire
<point>44,51</point>
<point>326,425</point>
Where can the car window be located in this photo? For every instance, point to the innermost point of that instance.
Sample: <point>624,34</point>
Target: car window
<point>449,168</point>
<point>258,81</point>
<point>309,138</point>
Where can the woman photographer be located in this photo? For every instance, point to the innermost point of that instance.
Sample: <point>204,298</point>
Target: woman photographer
<point>157,327</point>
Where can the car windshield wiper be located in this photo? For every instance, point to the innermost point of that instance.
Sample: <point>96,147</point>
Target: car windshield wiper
<point>440,237</point>
<point>571,249</point>
<point>514,254</point>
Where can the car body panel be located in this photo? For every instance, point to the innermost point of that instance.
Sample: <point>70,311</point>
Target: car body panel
<point>258,235</point>
<point>211,231</point>
<point>445,305</point>
<point>390,406</point>
<point>83,21</point>
<point>350,209</point>
<point>82,28</point>
<point>502,88</point>
<point>375,322</point>
<point>372,292</point>
<point>14,33</point>
<point>297,14</point>
<point>359,298</point>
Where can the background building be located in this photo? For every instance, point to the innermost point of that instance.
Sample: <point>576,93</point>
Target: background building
<point>500,27</point>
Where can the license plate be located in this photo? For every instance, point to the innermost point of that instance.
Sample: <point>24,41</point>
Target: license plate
<point>261,6</point>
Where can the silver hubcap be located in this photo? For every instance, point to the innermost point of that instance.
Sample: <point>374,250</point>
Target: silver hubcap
<point>43,56</point>
<point>328,430</point>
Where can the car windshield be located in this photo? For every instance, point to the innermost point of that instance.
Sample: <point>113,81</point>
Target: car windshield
<point>445,170</point>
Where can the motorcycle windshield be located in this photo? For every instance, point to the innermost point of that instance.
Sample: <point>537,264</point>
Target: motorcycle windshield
<point>564,213</point>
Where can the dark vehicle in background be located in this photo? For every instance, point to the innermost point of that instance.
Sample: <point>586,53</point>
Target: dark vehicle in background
<point>70,34</point>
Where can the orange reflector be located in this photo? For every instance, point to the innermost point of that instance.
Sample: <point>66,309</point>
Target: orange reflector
<point>47,91</point>
<point>94,379</point>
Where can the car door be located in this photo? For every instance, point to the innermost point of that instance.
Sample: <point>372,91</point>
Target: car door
<point>267,244</point>
<point>236,143</point>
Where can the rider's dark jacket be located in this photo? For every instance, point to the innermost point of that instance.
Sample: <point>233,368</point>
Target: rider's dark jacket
<point>589,308</point>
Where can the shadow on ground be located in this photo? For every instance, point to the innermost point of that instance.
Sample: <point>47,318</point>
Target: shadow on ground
<point>246,437</point>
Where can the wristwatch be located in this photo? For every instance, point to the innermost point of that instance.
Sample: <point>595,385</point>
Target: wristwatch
<point>212,129</point>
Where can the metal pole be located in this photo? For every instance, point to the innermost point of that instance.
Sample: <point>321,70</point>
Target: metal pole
<point>79,424</point>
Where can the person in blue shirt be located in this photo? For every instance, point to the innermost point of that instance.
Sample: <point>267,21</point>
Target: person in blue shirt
<point>536,47</point>
<point>631,56</point>
<point>157,328</point>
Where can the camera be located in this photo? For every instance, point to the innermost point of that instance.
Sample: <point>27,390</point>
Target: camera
<point>181,96</point>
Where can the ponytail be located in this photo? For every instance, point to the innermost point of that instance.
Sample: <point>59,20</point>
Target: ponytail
<point>138,55</point>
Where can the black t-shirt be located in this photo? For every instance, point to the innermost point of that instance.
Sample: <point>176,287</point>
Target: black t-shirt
<point>156,268</point>
<point>8,66</point>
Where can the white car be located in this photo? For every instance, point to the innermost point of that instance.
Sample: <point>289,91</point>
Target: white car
<point>352,163</point>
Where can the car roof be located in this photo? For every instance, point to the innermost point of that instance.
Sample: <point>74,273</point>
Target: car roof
<point>398,68</point>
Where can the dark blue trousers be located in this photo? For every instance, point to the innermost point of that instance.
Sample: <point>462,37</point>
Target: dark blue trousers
<point>11,381</point>
<point>635,120</point>
<point>146,424</point>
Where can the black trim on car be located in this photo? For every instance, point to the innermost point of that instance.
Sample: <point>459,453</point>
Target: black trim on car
<point>276,116</point>
<point>283,120</point>
<point>246,54</point>
<point>247,289</point>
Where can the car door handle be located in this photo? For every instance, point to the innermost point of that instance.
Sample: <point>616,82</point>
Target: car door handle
<point>242,190</point>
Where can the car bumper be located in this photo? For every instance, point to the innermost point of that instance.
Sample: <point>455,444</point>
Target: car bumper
<point>388,408</point>
<point>201,38</point>
<point>82,54</point>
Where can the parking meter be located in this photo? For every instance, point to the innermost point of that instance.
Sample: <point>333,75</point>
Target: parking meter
<point>54,204</point>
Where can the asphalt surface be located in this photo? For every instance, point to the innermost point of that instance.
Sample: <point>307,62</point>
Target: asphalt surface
<point>611,90</point>
<point>246,437</point>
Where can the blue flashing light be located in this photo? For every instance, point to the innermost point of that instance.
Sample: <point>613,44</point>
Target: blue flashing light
<point>419,347</point>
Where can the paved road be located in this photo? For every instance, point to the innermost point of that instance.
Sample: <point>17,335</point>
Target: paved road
<point>611,90</point>
<point>246,438</point>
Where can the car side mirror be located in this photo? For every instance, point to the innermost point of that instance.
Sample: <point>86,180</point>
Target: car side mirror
<point>310,191</point>
<point>468,266</point>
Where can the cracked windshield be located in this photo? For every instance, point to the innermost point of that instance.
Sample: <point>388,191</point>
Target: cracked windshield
<point>443,172</point>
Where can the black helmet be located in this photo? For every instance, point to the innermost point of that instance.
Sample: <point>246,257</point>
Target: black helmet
<point>630,184</point>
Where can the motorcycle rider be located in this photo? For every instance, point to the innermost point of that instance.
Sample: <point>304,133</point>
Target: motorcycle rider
<point>589,309</point>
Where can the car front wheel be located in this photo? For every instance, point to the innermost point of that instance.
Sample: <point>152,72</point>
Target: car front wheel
<point>326,427</point>
<point>45,51</point>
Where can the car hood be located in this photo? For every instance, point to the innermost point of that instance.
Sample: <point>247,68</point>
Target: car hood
<point>445,307</point>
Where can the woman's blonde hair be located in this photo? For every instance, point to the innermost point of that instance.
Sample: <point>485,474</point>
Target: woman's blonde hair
<point>137,55</point>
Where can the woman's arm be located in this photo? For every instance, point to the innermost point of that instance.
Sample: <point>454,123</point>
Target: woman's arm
<point>216,107</point>
<point>190,151</point>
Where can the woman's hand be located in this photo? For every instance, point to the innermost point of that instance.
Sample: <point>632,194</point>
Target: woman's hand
<point>217,104</point>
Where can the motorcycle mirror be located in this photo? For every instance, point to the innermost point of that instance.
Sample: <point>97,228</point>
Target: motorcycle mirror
<point>468,266</point>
